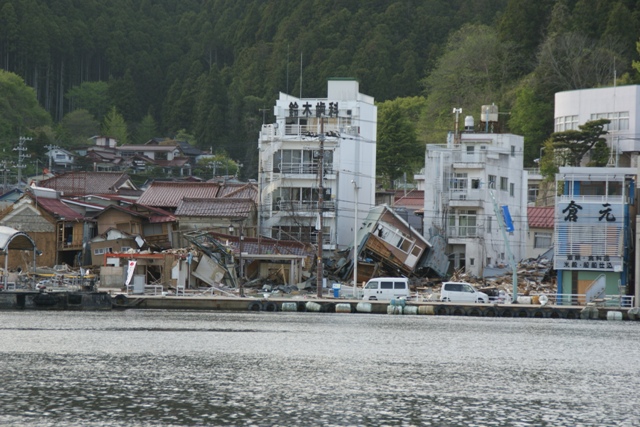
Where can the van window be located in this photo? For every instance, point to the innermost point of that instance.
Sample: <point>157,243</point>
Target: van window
<point>387,285</point>
<point>399,285</point>
<point>467,288</point>
<point>454,287</point>
<point>372,285</point>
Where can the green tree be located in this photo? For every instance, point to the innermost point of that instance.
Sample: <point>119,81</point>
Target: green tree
<point>147,129</point>
<point>124,94</point>
<point>398,149</point>
<point>20,112</point>
<point>473,72</point>
<point>572,145</point>
<point>115,127</point>
<point>217,164</point>
<point>76,127</point>
<point>91,96</point>
<point>531,117</point>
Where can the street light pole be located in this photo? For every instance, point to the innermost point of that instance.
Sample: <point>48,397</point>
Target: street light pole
<point>355,239</point>
<point>319,271</point>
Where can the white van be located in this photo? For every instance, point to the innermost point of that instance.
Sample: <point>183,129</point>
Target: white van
<point>461,292</point>
<point>386,288</point>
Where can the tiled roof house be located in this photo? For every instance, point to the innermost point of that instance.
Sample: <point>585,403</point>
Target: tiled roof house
<point>540,231</point>
<point>82,183</point>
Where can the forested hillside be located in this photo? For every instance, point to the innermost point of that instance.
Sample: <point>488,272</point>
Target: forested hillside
<point>208,68</point>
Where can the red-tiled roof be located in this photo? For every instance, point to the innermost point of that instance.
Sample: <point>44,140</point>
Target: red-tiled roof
<point>169,194</point>
<point>541,216</point>
<point>154,215</point>
<point>239,191</point>
<point>224,207</point>
<point>413,199</point>
<point>58,209</point>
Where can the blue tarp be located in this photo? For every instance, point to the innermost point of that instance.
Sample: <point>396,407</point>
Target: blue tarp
<point>507,218</point>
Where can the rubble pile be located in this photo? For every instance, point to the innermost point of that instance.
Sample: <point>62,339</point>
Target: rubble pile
<point>535,276</point>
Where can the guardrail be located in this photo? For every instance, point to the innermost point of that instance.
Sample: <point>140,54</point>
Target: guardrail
<point>576,300</point>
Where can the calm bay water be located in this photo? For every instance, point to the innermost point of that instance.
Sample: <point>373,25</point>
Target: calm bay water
<point>168,368</point>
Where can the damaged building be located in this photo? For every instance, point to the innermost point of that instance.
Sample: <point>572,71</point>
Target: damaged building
<point>389,246</point>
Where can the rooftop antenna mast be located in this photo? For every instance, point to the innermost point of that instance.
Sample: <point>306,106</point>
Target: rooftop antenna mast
<point>456,135</point>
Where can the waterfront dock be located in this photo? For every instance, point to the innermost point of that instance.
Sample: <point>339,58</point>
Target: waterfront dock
<point>345,305</point>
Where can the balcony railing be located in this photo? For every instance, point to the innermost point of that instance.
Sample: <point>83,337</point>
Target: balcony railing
<point>471,194</point>
<point>302,168</point>
<point>298,206</point>
<point>467,231</point>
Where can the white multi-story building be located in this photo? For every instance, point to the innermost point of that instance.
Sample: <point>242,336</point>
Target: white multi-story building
<point>464,177</point>
<point>620,104</point>
<point>341,129</point>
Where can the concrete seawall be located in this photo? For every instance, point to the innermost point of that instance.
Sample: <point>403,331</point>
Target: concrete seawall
<point>328,305</point>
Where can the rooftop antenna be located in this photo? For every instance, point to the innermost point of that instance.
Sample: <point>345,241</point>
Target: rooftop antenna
<point>300,75</point>
<point>287,69</point>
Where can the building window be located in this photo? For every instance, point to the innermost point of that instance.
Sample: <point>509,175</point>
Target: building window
<point>101,251</point>
<point>504,183</point>
<point>619,120</point>
<point>472,261</point>
<point>533,193</point>
<point>470,149</point>
<point>488,261</point>
<point>566,123</point>
<point>492,181</point>
<point>488,224</point>
<point>459,181</point>
<point>513,151</point>
<point>541,240</point>
<point>475,183</point>
<point>467,223</point>
<point>512,189</point>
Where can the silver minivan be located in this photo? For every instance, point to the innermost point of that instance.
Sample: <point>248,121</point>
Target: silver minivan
<point>461,292</point>
<point>386,288</point>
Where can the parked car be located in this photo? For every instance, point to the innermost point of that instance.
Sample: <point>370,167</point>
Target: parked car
<point>461,292</point>
<point>386,288</point>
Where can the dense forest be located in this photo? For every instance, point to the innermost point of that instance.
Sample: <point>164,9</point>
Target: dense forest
<point>208,69</point>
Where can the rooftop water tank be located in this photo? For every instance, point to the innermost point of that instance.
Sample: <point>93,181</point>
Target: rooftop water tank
<point>489,113</point>
<point>468,124</point>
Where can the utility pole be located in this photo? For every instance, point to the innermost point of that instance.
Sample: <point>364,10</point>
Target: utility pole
<point>264,111</point>
<point>21,148</point>
<point>319,271</point>
<point>512,261</point>
<point>5,169</point>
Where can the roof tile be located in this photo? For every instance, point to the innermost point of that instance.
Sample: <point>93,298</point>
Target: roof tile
<point>541,216</point>
<point>224,207</point>
<point>169,194</point>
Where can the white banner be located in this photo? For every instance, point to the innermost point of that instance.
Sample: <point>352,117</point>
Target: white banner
<point>130,271</point>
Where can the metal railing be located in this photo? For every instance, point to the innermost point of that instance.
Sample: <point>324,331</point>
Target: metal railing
<point>576,300</point>
<point>303,168</point>
<point>303,206</point>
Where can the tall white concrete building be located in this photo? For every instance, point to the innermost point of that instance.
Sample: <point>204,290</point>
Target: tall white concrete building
<point>463,178</point>
<point>620,104</point>
<point>341,129</point>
